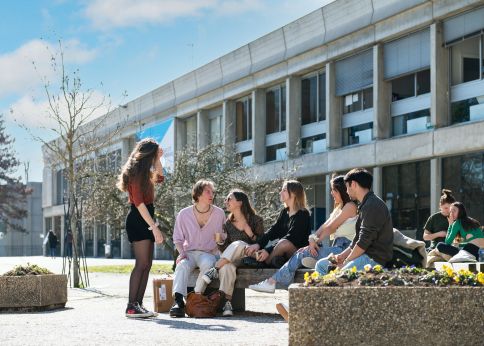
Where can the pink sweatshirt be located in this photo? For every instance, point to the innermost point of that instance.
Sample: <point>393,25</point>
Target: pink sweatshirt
<point>188,235</point>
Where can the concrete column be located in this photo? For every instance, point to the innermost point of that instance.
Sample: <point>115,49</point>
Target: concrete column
<point>203,129</point>
<point>435,184</point>
<point>293,116</point>
<point>228,118</point>
<point>94,240</point>
<point>377,181</point>
<point>333,109</point>
<point>259,126</point>
<point>125,245</point>
<point>381,97</point>
<point>439,78</point>
<point>181,134</point>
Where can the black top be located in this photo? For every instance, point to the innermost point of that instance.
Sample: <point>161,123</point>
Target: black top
<point>52,239</point>
<point>295,228</point>
<point>374,229</point>
<point>436,223</point>
<point>255,223</point>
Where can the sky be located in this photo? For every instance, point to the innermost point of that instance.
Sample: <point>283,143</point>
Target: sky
<point>122,49</point>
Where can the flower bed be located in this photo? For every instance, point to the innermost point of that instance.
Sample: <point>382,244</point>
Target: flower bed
<point>32,288</point>
<point>379,307</point>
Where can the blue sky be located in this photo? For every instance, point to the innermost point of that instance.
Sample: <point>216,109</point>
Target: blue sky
<point>119,46</point>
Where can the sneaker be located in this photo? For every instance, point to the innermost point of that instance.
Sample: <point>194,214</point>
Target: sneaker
<point>152,313</point>
<point>210,274</point>
<point>283,310</point>
<point>228,310</point>
<point>264,286</point>
<point>463,256</point>
<point>309,262</point>
<point>133,310</point>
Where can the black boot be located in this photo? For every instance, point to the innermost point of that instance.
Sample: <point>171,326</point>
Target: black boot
<point>178,308</point>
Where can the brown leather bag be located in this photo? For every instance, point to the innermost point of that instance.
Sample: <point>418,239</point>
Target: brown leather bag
<point>199,305</point>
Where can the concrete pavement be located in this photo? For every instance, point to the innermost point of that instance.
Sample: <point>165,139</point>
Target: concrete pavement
<point>95,316</point>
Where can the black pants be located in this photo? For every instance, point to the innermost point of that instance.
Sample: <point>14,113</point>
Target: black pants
<point>452,250</point>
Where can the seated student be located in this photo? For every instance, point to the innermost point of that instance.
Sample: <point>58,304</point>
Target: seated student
<point>194,238</point>
<point>435,229</point>
<point>242,228</point>
<point>340,226</point>
<point>292,228</point>
<point>373,242</point>
<point>470,232</point>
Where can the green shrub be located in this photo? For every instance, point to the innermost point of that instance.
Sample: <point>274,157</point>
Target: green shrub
<point>29,269</point>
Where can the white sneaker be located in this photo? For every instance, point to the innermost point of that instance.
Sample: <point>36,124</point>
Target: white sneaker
<point>309,262</point>
<point>228,310</point>
<point>463,256</point>
<point>264,286</point>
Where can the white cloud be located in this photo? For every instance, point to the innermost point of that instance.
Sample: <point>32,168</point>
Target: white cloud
<point>18,73</point>
<point>33,113</point>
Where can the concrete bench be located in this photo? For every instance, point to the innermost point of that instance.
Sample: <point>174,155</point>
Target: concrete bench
<point>474,267</point>
<point>246,277</point>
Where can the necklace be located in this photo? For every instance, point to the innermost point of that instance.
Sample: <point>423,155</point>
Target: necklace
<point>201,212</point>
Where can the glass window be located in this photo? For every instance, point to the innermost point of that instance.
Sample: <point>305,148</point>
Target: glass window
<point>403,87</point>
<point>322,96</point>
<point>309,100</point>
<point>216,130</point>
<point>411,122</point>
<point>461,110</point>
<point>276,110</point>
<point>465,64</point>
<point>246,158</point>
<point>358,134</point>
<point>313,144</point>
<point>276,152</point>
<point>464,175</point>
<point>367,98</point>
<point>406,191</point>
<point>243,126</point>
<point>423,82</point>
<point>358,101</point>
<point>316,199</point>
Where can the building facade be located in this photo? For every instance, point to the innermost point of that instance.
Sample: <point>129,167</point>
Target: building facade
<point>393,86</point>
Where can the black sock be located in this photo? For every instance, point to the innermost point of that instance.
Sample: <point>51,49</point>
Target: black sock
<point>472,249</point>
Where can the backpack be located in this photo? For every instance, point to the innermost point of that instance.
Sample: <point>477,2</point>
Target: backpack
<point>199,305</point>
<point>403,257</point>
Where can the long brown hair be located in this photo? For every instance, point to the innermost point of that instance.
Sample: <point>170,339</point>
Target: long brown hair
<point>338,183</point>
<point>466,221</point>
<point>245,208</point>
<point>296,189</point>
<point>138,167</point>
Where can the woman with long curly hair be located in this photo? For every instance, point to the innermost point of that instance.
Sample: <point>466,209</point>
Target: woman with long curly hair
<point>137,177</point>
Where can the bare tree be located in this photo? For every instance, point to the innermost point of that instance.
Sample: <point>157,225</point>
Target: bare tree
<point>13,193</point>
<point>81,132</point>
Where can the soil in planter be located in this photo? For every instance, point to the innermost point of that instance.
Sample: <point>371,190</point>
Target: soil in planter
<point>29,269</point>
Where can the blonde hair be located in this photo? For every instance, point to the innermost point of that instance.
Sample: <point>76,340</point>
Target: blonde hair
<point>295,188</point>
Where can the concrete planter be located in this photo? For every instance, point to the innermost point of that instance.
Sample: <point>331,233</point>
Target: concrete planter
<point>386,315</point>
<point>33,292</point>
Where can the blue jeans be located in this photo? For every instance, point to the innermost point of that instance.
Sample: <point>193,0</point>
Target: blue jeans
<point>52,252</point>
<point>359,263</point>
<point>285,275</point>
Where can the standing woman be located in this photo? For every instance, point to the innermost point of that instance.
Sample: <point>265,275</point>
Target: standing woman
<point>470,232</point>
<point>137,177</point>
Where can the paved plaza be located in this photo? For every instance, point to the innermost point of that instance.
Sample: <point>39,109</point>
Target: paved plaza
<point>95,316</point>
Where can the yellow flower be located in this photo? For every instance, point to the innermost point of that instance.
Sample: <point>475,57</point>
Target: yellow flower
<point>480,278</point>
<point>367,267</point>
<point>354,270</point>
<point>378,268</point>
<point>315,275</point>
<point>456,279</point>
<point>449,271</point>
<point>306,276</point>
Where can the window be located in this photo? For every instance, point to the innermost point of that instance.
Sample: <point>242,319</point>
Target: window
<point>243,126</point>
<point>276,152</point>
<point>316,199</point>
<point>313,99</point>
<point>465,60</point>
<point>411,122</point>
<point>411,85</point>
<point>313,144</point>
<point>276,110</point>
<point>358,101</point>
<point>216,134</point>
<point>246,158</point>
<point>60,186</point>
<point>464,175</point>
<point>406,191</point>
<point>358,134</point>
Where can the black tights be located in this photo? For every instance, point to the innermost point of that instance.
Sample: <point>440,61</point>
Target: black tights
<point>143,252</point>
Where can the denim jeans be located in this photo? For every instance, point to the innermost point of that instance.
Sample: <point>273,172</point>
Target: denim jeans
<point>285,275</point>
<point>359,263</point>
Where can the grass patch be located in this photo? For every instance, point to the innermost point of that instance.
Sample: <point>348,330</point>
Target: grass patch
<point>127,268</point>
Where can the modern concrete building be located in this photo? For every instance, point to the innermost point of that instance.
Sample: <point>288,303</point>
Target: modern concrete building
<point>29,243</point>
<point>394,86</point>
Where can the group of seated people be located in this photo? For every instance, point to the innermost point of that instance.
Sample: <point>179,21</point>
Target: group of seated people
<point>359,228</point>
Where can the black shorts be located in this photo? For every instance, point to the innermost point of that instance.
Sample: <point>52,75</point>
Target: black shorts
<point>136,226</point>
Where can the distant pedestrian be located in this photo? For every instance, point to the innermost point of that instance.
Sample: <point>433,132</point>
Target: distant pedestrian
<point>68,244</point>
<point>52,243</point>
<point>137,177</point>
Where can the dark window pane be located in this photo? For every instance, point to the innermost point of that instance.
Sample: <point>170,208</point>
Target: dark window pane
<point>322,96</point>
<point>249,118</point>
<point>358,134</point>
<point>241,122</point>
<point>403,87</point>
<point>276,152</point>
<point>283,108</point>
<point>411,122</point>
<point>423,82</point>
<point>272,118</point>
<point>368,98</point>
<point>352,102</point>
<point>460,110</point>
<point>308,100</point>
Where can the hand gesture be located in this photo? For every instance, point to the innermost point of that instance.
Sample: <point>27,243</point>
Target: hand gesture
<point>250,250</point>
<point>262,255</point>
<point>313,248</point>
